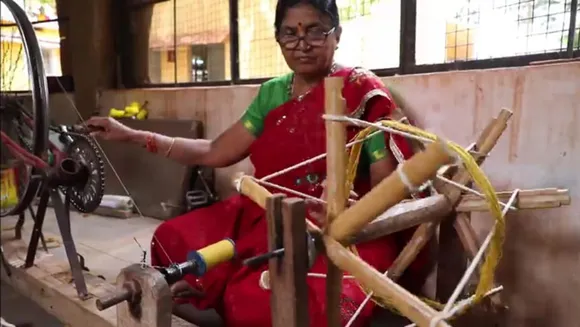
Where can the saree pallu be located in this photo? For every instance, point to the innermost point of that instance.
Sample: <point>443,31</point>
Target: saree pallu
<point>293,132</point>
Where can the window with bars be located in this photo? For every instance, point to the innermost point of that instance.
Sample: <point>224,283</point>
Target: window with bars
<point>362,22</point>
<point>484,29</point>
<point>445,33</point>
<point>191,38</point>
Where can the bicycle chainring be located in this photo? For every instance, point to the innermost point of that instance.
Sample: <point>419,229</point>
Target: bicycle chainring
<point>86,198</point>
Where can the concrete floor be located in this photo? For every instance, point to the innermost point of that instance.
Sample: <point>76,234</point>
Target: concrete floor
<point>21,311</point>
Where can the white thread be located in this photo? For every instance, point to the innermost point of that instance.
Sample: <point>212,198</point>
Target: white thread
<point>470,190</point>
<point>237,184</point>
<point>421,188</point>
<point>437,319</point>
<point>362,305</point>
<point>318,157</point>
<point>381,128</point>
<point>405,179</point>
<point>362,123</point>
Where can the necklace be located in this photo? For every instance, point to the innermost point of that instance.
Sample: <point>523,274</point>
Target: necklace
<point>332,70</point>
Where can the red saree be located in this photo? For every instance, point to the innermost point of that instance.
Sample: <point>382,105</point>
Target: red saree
<point>292,133</point>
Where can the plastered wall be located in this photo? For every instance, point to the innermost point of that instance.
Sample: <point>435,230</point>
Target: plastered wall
<point>541,148</point>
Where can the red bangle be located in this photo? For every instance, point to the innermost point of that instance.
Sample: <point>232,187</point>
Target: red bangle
<point>150,144</point>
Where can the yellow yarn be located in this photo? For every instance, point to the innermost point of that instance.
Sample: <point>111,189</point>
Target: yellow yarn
<point>494,252</point>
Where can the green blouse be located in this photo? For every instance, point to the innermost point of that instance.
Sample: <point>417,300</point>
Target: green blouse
<point>274,93</point>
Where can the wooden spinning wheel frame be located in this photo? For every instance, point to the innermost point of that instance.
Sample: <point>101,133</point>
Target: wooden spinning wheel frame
<point>287,275</point>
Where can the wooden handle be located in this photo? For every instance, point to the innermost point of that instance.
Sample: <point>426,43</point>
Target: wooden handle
<point>248,187</point>
<point>420,168</point>
<point>406,303</point>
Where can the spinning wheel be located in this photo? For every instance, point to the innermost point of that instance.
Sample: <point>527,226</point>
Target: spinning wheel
<point>56,158</point>
<point>443,166</point>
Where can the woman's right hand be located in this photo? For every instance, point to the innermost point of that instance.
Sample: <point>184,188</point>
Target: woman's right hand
<point>110,129</point>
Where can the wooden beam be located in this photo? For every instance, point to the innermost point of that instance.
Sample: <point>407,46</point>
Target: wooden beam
<point>41,284</point>
<point>48,284</point>
<point>336,191</point>
<point>406,303</point>
<point>527,199</point>
<point>403,216</point>
<point>287,275</point>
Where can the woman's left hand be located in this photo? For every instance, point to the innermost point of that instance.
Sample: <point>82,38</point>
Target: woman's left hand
<point>317,209</point>
<point>182,289</point>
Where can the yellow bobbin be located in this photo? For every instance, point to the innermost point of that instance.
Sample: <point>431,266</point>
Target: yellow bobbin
<point>212,255</point>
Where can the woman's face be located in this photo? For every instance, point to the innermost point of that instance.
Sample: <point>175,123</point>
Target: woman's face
<point>308,40</point>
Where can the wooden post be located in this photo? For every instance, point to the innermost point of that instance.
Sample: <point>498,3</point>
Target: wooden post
<point>140,22</point>
<point>93,59</point>
<point>287,228</point>
<point>153,305</point>
<point>335,185</point>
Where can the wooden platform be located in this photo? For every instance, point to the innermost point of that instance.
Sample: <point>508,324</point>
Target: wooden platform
<point>107,244</point>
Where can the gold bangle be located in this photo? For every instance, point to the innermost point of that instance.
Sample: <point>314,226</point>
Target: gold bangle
<point>170,147</point>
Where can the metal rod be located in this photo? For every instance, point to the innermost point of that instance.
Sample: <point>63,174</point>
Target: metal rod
<point>234,41</point>
<point>407,36</point>
<point>62,211</point>
<point>37,229</point>
<point>572,30</point>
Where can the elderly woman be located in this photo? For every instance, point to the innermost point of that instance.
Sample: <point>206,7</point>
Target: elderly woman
<point>281,127</point>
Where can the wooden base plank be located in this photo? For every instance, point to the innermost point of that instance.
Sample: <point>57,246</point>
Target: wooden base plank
<point>43,283</point>
<point>48,283</point>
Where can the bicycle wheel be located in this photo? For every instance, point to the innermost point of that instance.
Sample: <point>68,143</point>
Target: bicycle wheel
<point>38,115</point>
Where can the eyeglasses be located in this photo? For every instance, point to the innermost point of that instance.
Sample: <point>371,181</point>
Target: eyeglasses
<point>312,38</point>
